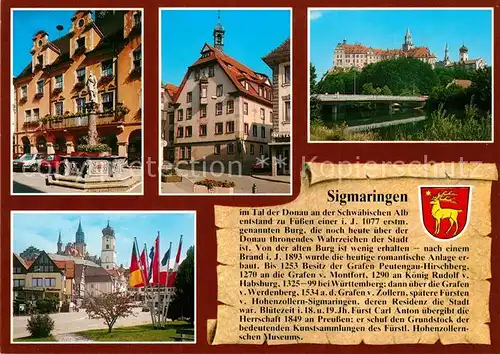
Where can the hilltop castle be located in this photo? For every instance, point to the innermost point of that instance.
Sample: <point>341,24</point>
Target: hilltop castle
<point>347,56</point>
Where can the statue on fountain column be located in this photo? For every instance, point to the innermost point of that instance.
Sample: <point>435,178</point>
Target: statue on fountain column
<point>92,88</point>
<point>92,107</point>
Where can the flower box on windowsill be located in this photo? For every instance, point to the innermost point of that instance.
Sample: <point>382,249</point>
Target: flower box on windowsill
<point>38,95</point>
<point>23,100</point>
<point>106,79</point>
<point>79,85</point>
<point>31,124</point>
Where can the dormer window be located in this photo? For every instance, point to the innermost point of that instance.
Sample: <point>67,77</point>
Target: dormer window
<point>39,60</point>
<point>137,58</point>
<point>260,90</point>
<point>197,75</point>
<point>80,43</point>
<point>211,71</point>
<point>137,19</point>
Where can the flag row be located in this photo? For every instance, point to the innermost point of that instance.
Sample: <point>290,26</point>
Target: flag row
<point>146,268</point>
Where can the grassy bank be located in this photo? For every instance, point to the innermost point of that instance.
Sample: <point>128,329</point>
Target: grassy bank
<point>140,333</point>
<point>441,126</point>
<point>31,339</point>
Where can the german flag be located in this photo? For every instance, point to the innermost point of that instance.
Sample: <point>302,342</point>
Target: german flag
<point>136,279</point>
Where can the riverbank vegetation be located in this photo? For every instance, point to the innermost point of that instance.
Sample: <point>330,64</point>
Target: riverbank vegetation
<point>458,105</point>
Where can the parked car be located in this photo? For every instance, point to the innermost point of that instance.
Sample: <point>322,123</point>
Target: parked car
<point>51,163</point>
<point>28,162</point>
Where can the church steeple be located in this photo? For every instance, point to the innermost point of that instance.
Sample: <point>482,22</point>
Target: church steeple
<point>408,44</point>
<point>446,54</point>
<point>80,235</point>
<point>59,244</point>
<point>219,34</point>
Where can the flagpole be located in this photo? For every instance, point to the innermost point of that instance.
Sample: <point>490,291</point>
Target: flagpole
<point>146,284</point>
<point>166,286</point>
<point>168,276</point>
<point>158,271</point>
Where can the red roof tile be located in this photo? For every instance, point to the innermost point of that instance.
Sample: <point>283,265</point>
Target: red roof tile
<point>236,71</point>
<point>171,90</point>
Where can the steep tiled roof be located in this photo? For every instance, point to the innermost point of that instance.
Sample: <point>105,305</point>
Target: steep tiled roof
<point>235,70</point>
<point>96,275</point>
<point>461,83</point>
<point>282,50</point>
<point>68,267</point>
<point>171,90</point>
<point>22,261</point>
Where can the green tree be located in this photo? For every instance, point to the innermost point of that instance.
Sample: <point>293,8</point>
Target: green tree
<point>312,78</point>
<point>30,253</point>
<point>401,76</point>
<point>183,303</point>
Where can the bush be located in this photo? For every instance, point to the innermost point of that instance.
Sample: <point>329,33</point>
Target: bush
<point>47,305</point>
<point>40,326</point>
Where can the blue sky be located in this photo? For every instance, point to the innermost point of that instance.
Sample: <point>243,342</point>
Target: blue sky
<point>42,229</point>
<point>250,35</point>
<point>27,22</point>
<point>386,29</point>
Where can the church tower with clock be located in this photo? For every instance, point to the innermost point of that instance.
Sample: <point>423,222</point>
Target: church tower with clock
<point>108,253</point>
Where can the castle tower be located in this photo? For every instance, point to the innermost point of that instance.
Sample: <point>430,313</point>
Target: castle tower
<point>59,244</point>
<point>108,253</point>
<point>80,244</point>
<point>408,44</point>
<point>219,35</point>
<point>446,55</point>
<point>463,53</point>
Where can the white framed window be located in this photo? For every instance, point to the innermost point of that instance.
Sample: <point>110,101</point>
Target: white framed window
<point>219,90</point>
<point>245,108</point>
<point>137,18</point>
<point>219,128</point>
<point>189,97</point>
<point>203,92</point>
<point>180,115</point>
<point>137,58</point>
<point>189,113</point>
<point>39,86</point>
<point>230,107</point>
<point>218,108</point>
<point>80,105</point>
<point>58,82</point>
<point>230,127</point>
<point>203,111</point>
<point>24,91</point>
<point>107,101</point>
<point>36,114</point>
<point>287,112</point>
<point>81,75</point>
<point>27,115</point>
<point>107,67</point>
<point>58,108</point>
<point>203,130</point>
<point>262,114</point>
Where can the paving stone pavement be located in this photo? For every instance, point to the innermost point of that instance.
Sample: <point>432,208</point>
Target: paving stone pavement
<point>70,337</point>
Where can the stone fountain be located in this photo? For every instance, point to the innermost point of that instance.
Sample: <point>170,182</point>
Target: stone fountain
<point>93,171</point>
